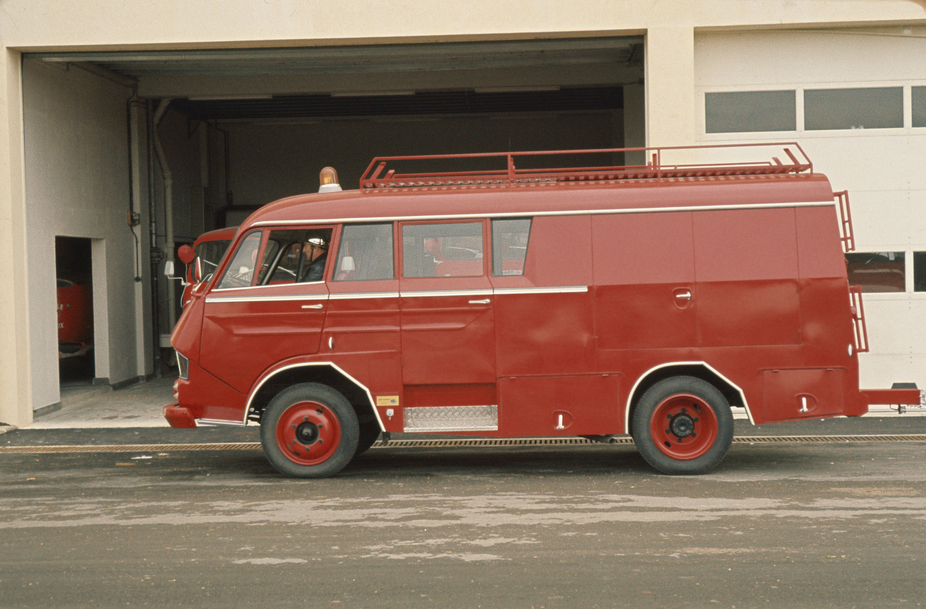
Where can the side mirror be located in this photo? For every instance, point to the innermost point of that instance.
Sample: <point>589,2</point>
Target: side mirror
<point>169,271</point>
<point>186,254</point>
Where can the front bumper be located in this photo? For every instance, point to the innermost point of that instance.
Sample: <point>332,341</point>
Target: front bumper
<point>179,416</point>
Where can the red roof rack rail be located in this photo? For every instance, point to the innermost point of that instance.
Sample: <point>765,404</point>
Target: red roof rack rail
<point>679,162</point>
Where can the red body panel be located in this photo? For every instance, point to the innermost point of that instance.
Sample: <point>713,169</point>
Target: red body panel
<point>75,318</point>
<point>260,327</point>
<point>75,314</point>
<point>743,280</point>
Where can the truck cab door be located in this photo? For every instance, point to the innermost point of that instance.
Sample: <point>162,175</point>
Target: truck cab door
<point>260,314</point>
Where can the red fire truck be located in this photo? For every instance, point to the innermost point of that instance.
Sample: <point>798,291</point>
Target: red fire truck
<point>506,299</point>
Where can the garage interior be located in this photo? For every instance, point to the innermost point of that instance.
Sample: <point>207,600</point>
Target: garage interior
<point>281,114</point>
<point>237,128</point>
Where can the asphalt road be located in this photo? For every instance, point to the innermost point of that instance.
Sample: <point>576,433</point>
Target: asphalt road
<point>834,524</point>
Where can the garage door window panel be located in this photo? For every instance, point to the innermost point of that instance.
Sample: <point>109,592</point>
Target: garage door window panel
<point>863,108</point>
<point>750,111</point>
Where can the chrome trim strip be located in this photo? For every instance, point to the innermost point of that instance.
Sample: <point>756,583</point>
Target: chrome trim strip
<point>261,288</point>
<point>438,293</point>
<point>558,290</point>
<point>357,295</point>
<point>578,289</point>
<point>268,298</point>
<point>528,214</point>
<point>633,390</point>
<point>220,422</point>
<point>183,366</point>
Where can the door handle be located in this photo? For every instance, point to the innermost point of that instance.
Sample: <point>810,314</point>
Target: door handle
<point>683,295</point>
<point>314,306</point>
<point>484,301</point>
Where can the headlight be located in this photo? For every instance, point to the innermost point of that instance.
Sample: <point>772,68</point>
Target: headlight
<point>184,364</point>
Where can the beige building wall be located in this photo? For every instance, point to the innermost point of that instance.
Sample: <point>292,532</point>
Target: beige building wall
<point>882,169</point>
<point>676,74</point>
<point>77,185</point>
<point>15,370</point>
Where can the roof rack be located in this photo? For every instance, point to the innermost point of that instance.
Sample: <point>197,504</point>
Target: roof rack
<point>383,172</point>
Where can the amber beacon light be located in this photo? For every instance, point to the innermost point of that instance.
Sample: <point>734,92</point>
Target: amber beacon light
<point>328,178</point>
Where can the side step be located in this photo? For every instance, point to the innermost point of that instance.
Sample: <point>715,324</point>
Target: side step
<point>451,418</point>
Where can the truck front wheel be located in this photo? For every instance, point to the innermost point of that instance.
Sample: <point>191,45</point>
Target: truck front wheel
<point>683,425</point>
<point>309,431</point>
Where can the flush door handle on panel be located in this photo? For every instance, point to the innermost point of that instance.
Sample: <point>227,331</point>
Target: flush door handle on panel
<point>484,301</point>
<point>682,297</point>
<point>313,306</point>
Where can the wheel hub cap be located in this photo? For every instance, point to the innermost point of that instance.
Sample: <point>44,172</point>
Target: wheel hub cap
<point>307,433</point>
<point>682,425</point>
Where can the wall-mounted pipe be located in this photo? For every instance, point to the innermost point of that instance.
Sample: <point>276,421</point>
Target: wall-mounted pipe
<point>133,115</point>
<point>168,180</point>
<point>153,242</point>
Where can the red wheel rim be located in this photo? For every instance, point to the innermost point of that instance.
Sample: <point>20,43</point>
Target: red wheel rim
<point>684,427</point>
<point>308,433</point>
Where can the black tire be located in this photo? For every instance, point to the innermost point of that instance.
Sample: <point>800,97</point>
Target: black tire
<point>309,431</point>
<point>683,425</point>
<point>369,433</point>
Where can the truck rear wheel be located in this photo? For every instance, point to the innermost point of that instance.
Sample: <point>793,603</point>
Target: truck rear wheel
<point>683,425</point>
<point>309,431</point>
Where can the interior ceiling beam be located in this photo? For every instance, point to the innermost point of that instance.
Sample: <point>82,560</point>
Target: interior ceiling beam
<point>185,85</point>
<point>361,59</point>
<point>543,75</point>
<point>444,103</point>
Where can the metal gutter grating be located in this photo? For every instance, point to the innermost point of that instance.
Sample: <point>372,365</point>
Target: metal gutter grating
<point>443,443</point>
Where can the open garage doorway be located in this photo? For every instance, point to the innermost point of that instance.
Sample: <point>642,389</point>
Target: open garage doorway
<point>281,114</point>
<point>74,272</point>
<point>244,127</point>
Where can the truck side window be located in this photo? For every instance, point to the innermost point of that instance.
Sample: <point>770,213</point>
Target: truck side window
<point>289,256</point>
<point>509,246</point>
<point>240,271</point>
<point>287,265</point>
<point>365,253</point>
<point>442,250</point>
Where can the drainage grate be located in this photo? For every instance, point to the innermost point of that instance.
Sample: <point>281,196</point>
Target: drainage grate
<point>441,443</point>
<point>490,442</point>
